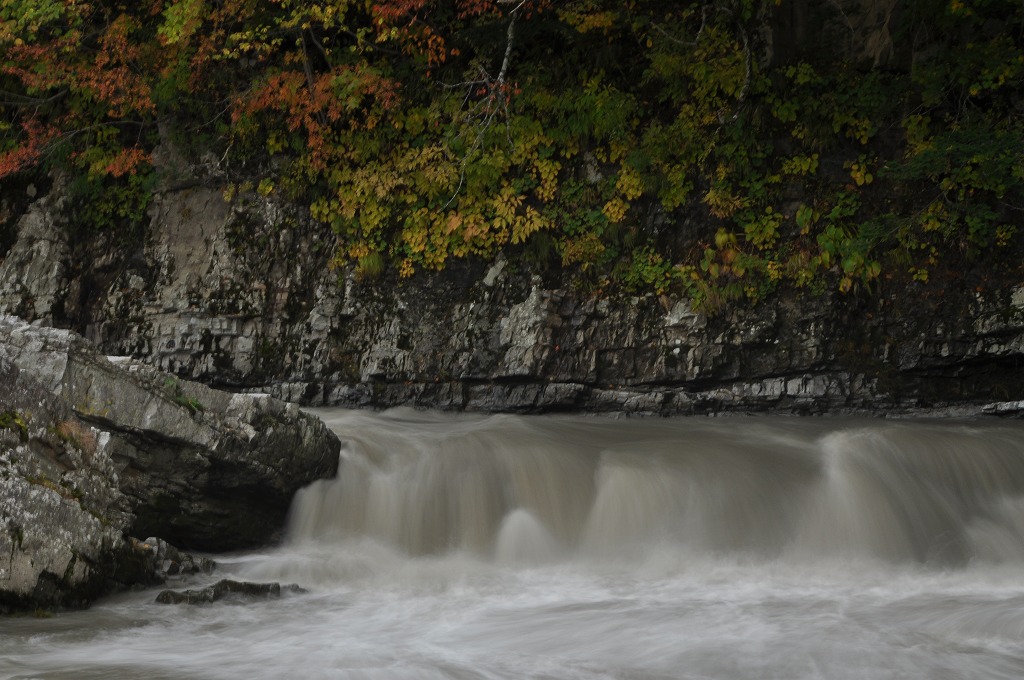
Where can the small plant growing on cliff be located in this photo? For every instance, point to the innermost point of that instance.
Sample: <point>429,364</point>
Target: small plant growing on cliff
<point>12,420</point>
<point>191,403</point>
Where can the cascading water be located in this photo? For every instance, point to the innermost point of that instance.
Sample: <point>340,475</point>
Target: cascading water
<point>591,490</point>
<point>508,547</point>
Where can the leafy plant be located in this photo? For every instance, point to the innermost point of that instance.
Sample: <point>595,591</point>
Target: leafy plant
<point>16,422</point>
<point>423,132</point>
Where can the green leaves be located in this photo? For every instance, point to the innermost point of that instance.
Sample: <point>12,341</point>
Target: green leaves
<point>181,20</point>
<point>648,145</point>
<point>23,21</point>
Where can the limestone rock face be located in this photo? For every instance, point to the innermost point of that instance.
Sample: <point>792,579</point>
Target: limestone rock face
<point>92,451</point>
<point>33,280</point>
<point>244,295</point>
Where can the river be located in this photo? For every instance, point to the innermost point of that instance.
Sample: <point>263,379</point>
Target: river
<point>573,547</point>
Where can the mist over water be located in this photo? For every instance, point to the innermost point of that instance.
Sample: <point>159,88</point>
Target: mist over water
<point>573,547</point>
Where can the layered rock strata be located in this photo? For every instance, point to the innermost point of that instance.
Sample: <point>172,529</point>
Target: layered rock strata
<point>242,295</point>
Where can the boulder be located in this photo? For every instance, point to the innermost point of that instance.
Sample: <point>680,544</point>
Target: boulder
<point>93,451</point>
<point>62,516</point>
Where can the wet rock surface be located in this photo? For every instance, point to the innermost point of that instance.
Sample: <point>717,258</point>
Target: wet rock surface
<point>166,561</point>
<point>92,452</point>
<point>226,589</point>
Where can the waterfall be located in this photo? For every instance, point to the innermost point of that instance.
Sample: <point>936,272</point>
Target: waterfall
<point>592,489</point>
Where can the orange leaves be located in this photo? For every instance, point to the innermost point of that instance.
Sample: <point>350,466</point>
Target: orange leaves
<point>422,29</point>
<point>29,151</point>
<point>393,11</point>
<point>127,162</point>
<point>476,8</point>
<point>352,97</point>
<point>112,78</point>
<point>399,21</point>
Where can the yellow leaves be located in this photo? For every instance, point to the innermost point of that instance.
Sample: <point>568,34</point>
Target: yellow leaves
<point>860,129</point>
<point>959,8</point>
<point>505,205</point>
<point>629,183</point>
<point>585,249</point>
<point>618,148</point>
<point>585,22</point>
<point>358,250</point>
<point>628,187</point>
<point>453,223</point>
<point>615,210</point>
<point>860,174</point>
<point>724,238</point>
<point>530,223</point>
<point>276,142</point>
<point>473,225</point>
<point>181,19</point>
<point>546,173</point>
<point>916,128</point>
<point>721,202</point>
<point>935,218</point>
<point>763,231</point>
<point>415,234</point>
<point>677,188</point>
<point>805,217</point>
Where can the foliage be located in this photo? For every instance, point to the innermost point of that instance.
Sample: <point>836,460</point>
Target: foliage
<point>16,422</point>
<point>425,131</point>
<point>175,394</point>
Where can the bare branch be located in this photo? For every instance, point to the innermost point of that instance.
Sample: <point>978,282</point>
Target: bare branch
<point>495,98</point>
<point>510,35</point>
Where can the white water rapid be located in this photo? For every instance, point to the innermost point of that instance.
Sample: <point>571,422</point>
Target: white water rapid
<point>568,548</point>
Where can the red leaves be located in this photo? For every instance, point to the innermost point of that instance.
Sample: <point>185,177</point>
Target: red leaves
<point>112,77</point>
<point>127,162</point>
<point>476,8</point>
<point>29,152</point>
<point>356,95</point>
<point>392,11</point>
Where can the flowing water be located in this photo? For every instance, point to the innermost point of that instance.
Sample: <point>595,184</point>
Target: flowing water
<point>561,548</point>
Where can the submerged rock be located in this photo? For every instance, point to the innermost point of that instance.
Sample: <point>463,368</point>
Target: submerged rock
<point>167,561</point>
<point>92,452</point>
<point>226,588</point>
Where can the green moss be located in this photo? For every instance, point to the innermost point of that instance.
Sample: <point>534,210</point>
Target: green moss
<point>15,421</point>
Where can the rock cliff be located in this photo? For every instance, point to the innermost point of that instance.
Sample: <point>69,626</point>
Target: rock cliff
<point>243,295</point>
